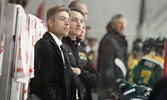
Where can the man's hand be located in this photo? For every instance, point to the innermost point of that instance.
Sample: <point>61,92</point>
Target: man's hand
<point>76,70</point>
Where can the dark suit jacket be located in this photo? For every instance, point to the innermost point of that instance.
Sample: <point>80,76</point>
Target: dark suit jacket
<point>52,79</point>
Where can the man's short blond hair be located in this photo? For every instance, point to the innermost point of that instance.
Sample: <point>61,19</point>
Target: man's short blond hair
<point>51,13</point>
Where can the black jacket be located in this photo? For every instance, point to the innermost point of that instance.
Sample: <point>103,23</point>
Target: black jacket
<point>78,57</point>
<point>53,80</point>
<point>113,45</point>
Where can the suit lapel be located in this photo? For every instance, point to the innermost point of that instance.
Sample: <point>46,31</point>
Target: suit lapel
<point>53,42</point>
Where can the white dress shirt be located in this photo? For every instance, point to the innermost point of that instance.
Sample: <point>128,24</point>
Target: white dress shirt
<point>59,43</point>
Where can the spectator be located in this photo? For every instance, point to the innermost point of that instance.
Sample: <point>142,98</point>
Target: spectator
<point>53,76</point>
<point>84,74</point>
<point>112,52</point>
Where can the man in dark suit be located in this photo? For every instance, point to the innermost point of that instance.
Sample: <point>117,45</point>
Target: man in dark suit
<point>53,80</point>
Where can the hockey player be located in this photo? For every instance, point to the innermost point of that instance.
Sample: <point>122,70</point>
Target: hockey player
<point>134,57</point>
<point>160,46</point>
<point>149,70</point>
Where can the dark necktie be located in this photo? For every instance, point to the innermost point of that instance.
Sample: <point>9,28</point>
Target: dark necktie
<point>63,54</point>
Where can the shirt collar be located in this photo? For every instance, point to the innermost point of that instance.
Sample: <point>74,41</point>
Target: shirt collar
<point>58,41</point>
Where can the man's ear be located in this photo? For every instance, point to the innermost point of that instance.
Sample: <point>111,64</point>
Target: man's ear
<point>50,22</point>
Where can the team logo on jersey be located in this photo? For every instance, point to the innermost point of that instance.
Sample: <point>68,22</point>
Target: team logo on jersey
<point>82,56</point>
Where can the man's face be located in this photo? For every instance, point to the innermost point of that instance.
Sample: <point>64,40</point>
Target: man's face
<point>83,32</point>
<point>60,24</point>
<point>83,9</point>
<point>76,23</point>
<point>120,25</point>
